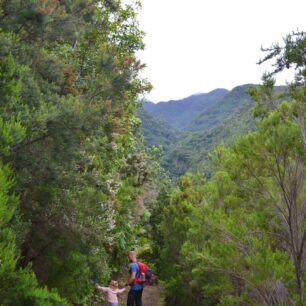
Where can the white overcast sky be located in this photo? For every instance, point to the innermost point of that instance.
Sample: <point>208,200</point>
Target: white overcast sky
<point>196,46</point>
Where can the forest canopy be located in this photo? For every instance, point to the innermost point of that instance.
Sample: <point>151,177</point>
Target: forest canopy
<point>78,188</point>
<point>71,160</point>
<point>239,238</point>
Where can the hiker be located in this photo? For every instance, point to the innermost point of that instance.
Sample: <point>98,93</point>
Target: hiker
<point>112,292</point>
<point>135,293</point>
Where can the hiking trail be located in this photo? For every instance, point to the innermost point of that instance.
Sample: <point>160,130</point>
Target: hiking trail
<point>151,296</point>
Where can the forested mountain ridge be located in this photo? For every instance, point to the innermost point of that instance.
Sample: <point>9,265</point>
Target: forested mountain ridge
<point>187,149</point>
<point>181,112</point>
<point>157,132</point>
<point>191,153</point>
<point>234,100</point>
<point>219,121</point>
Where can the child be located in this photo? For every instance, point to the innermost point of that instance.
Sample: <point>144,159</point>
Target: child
<point>111,291</point>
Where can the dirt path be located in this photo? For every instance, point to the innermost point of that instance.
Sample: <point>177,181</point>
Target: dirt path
<point>150,297</point>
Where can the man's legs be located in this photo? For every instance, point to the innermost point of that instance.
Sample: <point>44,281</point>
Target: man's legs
<point>130,299</point>
<point>137,296</point>
<point>134,298</point>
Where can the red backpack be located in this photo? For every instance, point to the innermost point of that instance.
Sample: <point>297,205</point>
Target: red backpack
<point>145,274</point>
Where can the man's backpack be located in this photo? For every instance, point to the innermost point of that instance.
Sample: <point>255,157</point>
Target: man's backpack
<point>146,275</point>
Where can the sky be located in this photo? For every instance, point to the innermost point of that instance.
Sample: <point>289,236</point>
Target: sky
<point>196,46</point>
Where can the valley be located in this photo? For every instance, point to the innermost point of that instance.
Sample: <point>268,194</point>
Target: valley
<point>189,129</point>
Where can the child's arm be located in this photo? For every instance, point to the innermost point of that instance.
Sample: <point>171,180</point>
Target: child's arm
<point>121,290</point>
<point>104,289</point>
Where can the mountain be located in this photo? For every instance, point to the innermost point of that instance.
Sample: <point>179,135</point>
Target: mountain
<point>224,115</point>
<point>191,153</point>
<point>179,114</point>
<point>236,99</point>
<point>157,132</point>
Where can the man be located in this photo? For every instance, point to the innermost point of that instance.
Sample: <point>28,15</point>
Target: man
<point>135,293</point>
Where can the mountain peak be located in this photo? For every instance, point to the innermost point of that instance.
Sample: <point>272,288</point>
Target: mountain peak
<point>179,113</point>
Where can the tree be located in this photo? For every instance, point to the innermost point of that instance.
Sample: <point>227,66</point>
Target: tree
<point>288,168</point>
<point>241,241</point>
<point>17,286</point>
<point>78,84</point>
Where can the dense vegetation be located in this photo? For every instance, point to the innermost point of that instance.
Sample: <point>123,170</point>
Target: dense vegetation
<point>157,133</point>
<point>78,188</point>
<point>71,164</point>
<point>209,119</point>
<point>180,114</point>
<point>239,238</point>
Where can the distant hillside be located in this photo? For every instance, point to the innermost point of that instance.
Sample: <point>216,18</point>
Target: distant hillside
<point>226,115</point>
<point>192,151</point>
<point>179,114</point>
<point>157,132</point>
<point>234,100</point>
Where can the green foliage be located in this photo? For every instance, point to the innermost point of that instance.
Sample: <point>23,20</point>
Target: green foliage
<point>10,85</point>
<point>235,100</point>
<point>182,113</point>
<point>193,150</point>
<point>17,286</point>
<point>68,128</point>
<point>220,119</point>
<point>290,54</point>
<point>216,261</point>
<point>239,238</point>
<point>156,132</point>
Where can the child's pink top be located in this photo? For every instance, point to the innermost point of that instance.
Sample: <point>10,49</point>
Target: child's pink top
<point>111,293</point>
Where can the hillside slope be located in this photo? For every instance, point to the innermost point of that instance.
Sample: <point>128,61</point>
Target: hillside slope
<point>191,153</point>
<point>188,148</point>
<point>179,114</point>
<point>157,132</point>
<point>237,98</point>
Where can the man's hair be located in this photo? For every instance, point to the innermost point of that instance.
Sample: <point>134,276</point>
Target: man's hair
<point>132,254</point>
